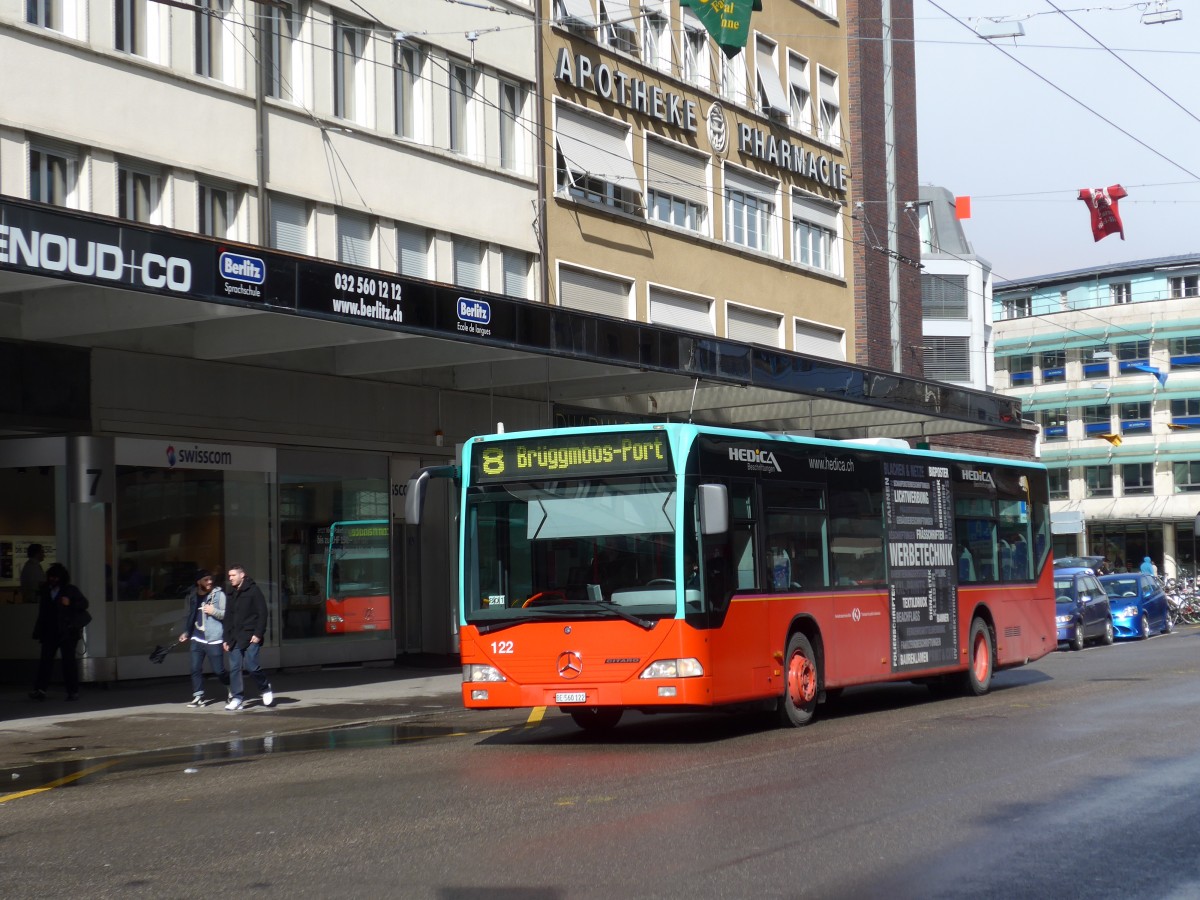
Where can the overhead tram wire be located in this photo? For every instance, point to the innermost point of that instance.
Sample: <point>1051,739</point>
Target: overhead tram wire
<point>1115,56</point>
<point>1069,95</point>
<point>665,182</point>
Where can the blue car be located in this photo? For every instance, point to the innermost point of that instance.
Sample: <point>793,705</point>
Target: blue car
<point>1139,605</point>
<point>1082,608</point>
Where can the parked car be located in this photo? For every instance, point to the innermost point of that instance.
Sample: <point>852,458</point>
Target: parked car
<point>1139,604</point>
<point>1082,608</point>
<point>1079,562</point>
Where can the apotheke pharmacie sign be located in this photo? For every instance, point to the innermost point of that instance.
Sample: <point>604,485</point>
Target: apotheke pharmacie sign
<point>610,83</point>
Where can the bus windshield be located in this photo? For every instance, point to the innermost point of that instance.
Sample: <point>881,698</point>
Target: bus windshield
<point>568,548</point>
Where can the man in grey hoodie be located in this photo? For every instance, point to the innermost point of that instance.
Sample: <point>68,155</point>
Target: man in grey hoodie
<point>203,623</point>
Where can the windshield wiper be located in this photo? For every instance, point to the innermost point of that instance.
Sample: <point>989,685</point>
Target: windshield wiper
<point>616,611</point>
<point>570,610</point>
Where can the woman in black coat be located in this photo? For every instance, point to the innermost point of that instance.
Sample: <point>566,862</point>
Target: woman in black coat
<point>62,616</point>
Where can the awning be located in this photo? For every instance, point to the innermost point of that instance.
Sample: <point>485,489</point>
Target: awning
<point>772,88</point>
<point>590,147</point>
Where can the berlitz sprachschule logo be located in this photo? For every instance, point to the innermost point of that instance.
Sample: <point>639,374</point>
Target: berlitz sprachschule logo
<point>171,455</point>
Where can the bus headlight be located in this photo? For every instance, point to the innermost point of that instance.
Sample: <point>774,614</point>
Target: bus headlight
<point>674,668</point>
<point>480,672</point>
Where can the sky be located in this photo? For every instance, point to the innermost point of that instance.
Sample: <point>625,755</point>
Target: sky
<point>1019,125</point>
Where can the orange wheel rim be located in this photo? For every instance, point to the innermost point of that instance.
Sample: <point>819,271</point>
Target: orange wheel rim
<point>802,680</point>
<point>981,656</point>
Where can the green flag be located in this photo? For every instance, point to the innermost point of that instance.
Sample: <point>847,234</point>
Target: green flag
<point>728,21</point>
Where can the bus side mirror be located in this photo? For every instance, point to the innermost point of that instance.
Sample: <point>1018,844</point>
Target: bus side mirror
<point>713,503</point>
<point>418,483</point>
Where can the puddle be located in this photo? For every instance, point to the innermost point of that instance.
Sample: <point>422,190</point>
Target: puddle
<point>66,773</point>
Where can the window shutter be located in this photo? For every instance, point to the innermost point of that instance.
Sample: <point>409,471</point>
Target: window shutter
<point>752,326</point>
<point>589,292</point>
<point>681,311</point>
<point>289,225</point>
<point>817,341</point>
<point>678,173</point>
<point>412,250</point>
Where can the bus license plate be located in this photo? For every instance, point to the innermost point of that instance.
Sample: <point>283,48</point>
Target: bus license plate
<point>570,697</point>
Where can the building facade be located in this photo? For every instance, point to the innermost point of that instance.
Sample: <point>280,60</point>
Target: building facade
<point>261,261</point>
<point>1106,360</point>
<point>956,297</point>
<point>697,190</point>
<point>377,136</point>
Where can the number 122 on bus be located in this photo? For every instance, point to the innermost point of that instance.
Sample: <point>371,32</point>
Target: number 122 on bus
<point>684,567</point>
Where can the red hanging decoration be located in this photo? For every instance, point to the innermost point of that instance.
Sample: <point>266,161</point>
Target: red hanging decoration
<point>1106,218</point>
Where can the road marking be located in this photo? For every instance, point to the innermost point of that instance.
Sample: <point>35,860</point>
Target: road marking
<point>535,717</point>
<point>58,782</point>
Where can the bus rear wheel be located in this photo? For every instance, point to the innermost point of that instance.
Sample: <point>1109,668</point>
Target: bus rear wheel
<point>801,682</point>
<point>596,718</point>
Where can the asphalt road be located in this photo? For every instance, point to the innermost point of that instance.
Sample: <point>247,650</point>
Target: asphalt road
<point>1076,777</point>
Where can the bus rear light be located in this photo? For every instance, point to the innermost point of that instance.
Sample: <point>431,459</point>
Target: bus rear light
<point>674,668</point>
<point>480,672</point>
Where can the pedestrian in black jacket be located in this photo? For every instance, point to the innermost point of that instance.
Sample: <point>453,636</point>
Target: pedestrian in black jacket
<point>62,616</point>
<point>245,626</point>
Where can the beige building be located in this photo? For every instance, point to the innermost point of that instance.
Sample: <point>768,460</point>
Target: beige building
<point>694,190</point>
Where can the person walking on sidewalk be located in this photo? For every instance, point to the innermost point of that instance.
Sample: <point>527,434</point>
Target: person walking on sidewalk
<point>245,625</point>
<point>62,616</point>
<point>203,615</point>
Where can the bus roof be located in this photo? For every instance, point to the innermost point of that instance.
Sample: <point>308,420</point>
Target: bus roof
<point>686,431</point>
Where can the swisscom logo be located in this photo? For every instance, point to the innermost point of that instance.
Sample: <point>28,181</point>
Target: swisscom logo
<point>246,269</point>
<point>197,455</point>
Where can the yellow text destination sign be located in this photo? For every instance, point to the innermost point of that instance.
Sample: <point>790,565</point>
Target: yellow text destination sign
<point>572,456</point>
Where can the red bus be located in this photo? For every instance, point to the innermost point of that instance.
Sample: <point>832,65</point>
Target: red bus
<point>357,577</point>
<point>675,566</point>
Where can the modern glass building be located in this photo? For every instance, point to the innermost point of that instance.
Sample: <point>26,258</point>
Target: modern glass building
<point>1107,361</point>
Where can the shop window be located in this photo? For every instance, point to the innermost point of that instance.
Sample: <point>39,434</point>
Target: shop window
<point>172,522</point>
<point>26,523</point>
<point>335,548</point>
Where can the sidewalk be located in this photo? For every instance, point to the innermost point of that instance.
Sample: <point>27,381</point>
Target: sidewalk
<point>130,717</point>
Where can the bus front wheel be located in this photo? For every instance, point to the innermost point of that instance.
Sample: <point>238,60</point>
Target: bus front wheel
<point>801,682</point>
<point>981,662</point>
<point>596,718</point>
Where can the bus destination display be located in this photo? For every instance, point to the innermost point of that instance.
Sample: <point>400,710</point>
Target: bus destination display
<point>572,456</point>
<point>919,512</point>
